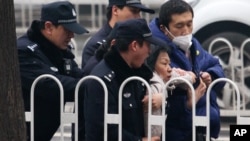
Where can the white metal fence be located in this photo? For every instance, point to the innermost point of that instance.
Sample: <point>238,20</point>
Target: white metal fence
<point>116,118</point>
<point>229,94</point>
<point>30,114</point>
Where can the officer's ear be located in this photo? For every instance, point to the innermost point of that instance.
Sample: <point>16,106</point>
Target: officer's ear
<point>133,45</point>
<point>48,27</point>
<point>115,10</point>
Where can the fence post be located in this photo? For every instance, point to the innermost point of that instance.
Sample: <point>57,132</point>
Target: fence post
<point>119,115</point>
<point>244,93</point>
<point>77,94</point>
<point>226,98</point>
<point>30,114</point>
<point>195,118</point>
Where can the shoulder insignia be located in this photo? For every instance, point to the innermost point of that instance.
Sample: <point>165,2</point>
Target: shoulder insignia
<point>32,47</point>
<point>109,76</point>
<point>54,69</point>
<point>101,42</point>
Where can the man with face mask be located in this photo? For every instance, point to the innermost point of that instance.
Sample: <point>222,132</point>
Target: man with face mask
<point>174,26</point>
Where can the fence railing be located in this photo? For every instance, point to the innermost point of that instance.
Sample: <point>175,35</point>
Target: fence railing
<point>197,120</point>
<point>235,64</point>
<point>30,114</point>
<point>116,118</point>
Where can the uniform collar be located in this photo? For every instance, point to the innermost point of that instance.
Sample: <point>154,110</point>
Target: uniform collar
<point>122,70</point>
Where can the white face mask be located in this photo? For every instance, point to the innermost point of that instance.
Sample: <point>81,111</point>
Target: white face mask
<point>184,42</point>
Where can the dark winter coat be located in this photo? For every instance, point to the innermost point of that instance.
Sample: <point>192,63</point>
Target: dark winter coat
<point>92,45</point>
<point>39,56</point>
<point>113,70</point>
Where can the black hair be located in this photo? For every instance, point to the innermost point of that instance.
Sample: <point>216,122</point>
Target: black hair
<point>109,11</point>
<point>122,43</point>
<point>42,24</point>
<point>151,60</point>
<point>173,7</point>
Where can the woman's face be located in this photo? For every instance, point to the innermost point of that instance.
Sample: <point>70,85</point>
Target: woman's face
<point>162,66</point>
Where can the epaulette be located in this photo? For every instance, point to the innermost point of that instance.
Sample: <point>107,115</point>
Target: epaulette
<point>109,76</point>
<point>100,42</point>
<point>32,47</point>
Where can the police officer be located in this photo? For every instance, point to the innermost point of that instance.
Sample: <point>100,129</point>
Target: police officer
<point>44,49</point>
<point>125,59</point>
<point>118,10</point>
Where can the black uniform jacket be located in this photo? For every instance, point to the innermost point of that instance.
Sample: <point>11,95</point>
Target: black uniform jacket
<point>92,45</point>
<point>38,56</point>
<point>113,71</point>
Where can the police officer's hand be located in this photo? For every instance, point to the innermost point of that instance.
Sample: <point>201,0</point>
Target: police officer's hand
<point>206,77</point>
<point>154,138</point>
<point>145,103</point>
<point>156,101</point>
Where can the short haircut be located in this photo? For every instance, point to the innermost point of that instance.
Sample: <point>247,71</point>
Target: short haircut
<point>151,60</point>
<point>42,24</point>
<point>122,43</point>
<point>172,7</point>
<point>109,11</point>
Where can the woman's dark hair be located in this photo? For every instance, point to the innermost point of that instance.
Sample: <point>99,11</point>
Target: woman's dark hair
<point>172,7</point>
<point>109,11</point>
<point>151,60</point>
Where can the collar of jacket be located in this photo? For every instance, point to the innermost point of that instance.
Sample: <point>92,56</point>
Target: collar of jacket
<point>121,68</point>
<point>54,54</point>
<point>46,46</point>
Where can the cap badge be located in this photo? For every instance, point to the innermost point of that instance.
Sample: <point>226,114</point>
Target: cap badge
<point>73,12</point>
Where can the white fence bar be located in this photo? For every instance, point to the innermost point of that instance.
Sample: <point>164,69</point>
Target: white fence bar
<point>155,119</point>
<point>226,98</point>
<point>111,118</point>
<point>237,95</point>
<point>73,117</point>
<point>196,119</point>
<point>230,46</point>
<point>120,103</point>
<point>243,45</point>
<point>30,115</point>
